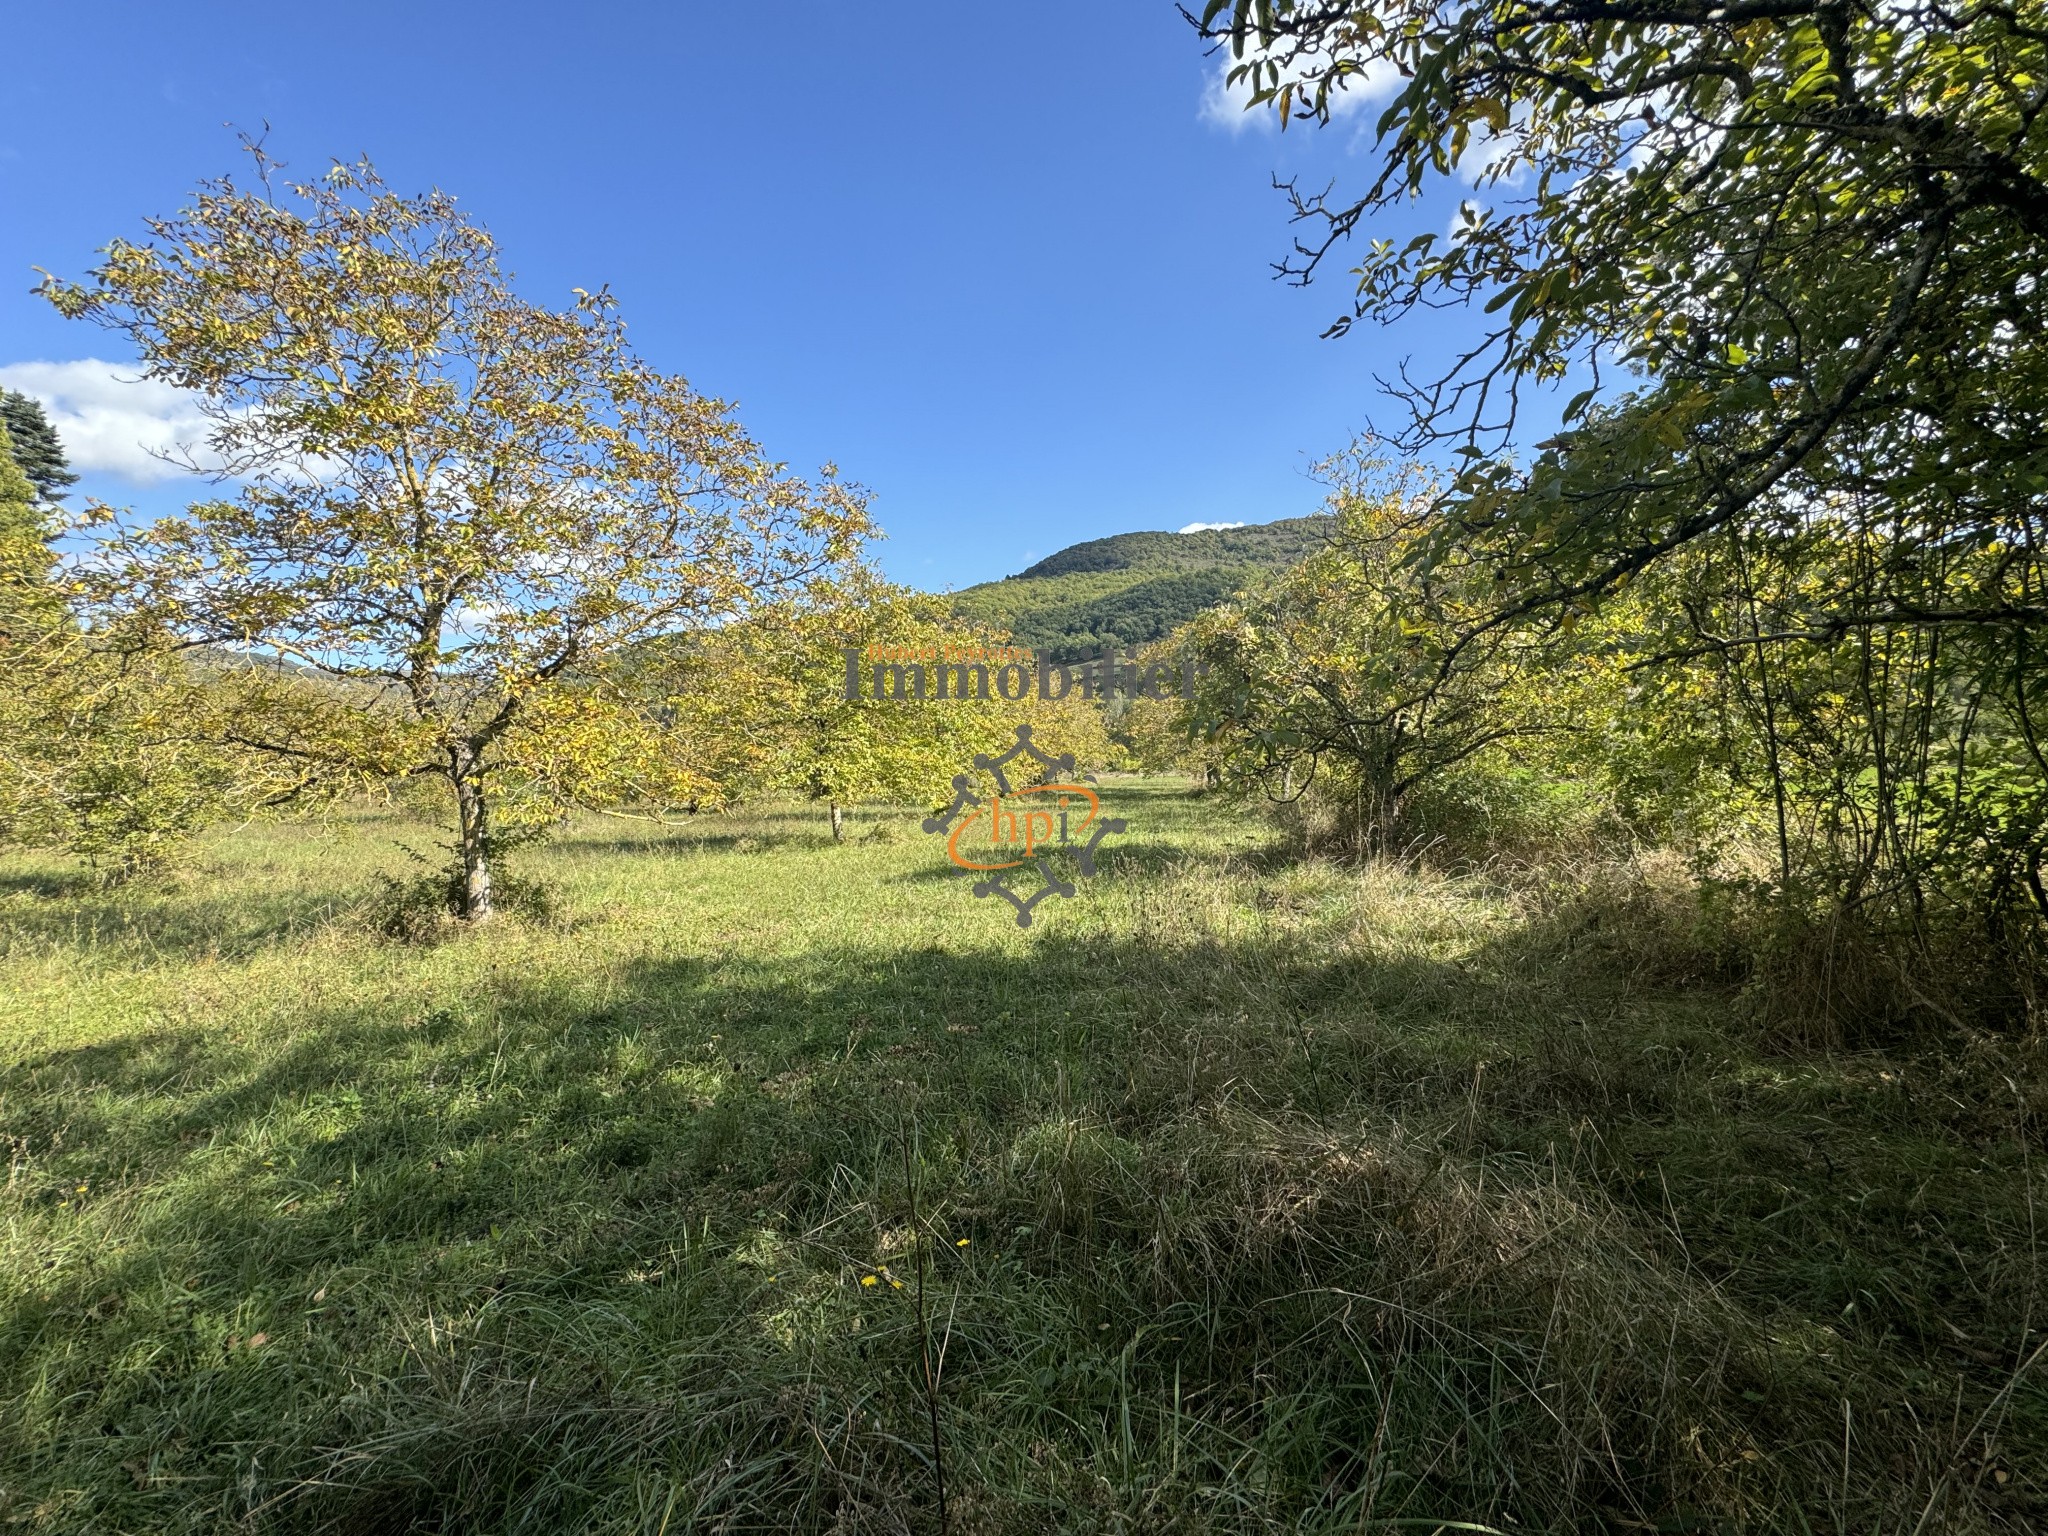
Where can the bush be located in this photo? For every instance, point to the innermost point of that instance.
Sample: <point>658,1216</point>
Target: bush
<point>129,818</point>
<point>424,908</point>
<point>1490,809</point>
<point>1825,973</point>
<point>1484,810</point>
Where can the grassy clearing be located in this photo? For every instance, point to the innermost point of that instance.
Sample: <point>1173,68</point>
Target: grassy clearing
<point>1258,1196</point>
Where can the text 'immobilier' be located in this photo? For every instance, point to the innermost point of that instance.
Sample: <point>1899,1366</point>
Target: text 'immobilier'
<point>909,674</point>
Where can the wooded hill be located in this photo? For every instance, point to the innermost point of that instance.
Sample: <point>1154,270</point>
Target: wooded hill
<point>1133,588</point>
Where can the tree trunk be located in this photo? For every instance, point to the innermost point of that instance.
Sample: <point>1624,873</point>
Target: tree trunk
<point>473,900</point>
<point>838,822</point>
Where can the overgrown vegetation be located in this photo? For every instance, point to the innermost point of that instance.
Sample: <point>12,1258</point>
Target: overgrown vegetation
<point>102,755</point>
<point>1256,1195</point>
<point>1576,1065</point>
<point>1807,520</point>
<point>1872,805</point>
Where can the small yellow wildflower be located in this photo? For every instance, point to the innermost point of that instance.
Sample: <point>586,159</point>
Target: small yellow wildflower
<point>895,1282</point>
<point>962,1242</point>
<point>867,1279</point>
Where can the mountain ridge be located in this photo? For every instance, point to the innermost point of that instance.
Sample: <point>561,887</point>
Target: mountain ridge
<point>1134,588</point>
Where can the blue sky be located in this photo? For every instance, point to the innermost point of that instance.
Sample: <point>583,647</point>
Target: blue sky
<point>1014,279</point>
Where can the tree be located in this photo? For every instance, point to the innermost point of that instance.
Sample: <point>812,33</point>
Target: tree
<point>456,506</point>
<point>1814,227</point>
<point>25,558</point>
<point>1808,234</point>
<point>31,618</point>
<point>764,704</point>
<point>1349,667</point>
<point>36,447</point>
<point>96,751</point>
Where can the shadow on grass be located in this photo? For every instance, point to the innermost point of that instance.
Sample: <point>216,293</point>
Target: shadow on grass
<point>162,921</point>
<point>745,829</point>
<point>539,1262</point>
<point>1115,857</point>
<point>48,884</point>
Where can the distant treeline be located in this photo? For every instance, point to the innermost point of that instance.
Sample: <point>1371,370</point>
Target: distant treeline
<point>1134,588</point>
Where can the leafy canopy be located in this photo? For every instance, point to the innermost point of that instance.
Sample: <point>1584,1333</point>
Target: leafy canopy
<point>1812,229</point>
<point>451,502</point>
<point>1348,668</point>
<point>1791,249</point>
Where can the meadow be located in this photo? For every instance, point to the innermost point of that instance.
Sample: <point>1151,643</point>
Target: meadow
<point>1244,1192</point>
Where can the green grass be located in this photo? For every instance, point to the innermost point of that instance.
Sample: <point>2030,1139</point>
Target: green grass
<point>1255,1196</point>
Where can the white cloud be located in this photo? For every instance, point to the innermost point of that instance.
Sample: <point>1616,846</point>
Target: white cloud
<point>112,422</point>
<point>1206,527</point>
<point>1224,104</point>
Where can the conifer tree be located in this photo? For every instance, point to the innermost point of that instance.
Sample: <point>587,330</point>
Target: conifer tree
<point>36,448</point>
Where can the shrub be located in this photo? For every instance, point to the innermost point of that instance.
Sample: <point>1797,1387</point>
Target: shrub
<point>422,909</point>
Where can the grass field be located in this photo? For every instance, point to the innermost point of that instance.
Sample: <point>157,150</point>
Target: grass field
<point>1244,1194</point>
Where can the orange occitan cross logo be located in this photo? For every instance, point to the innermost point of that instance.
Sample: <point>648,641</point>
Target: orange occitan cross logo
<point>1033,827</point>
<point>1043,824</point>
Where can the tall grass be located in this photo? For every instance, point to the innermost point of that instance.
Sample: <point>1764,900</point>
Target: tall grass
<point>1245,1194</point>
